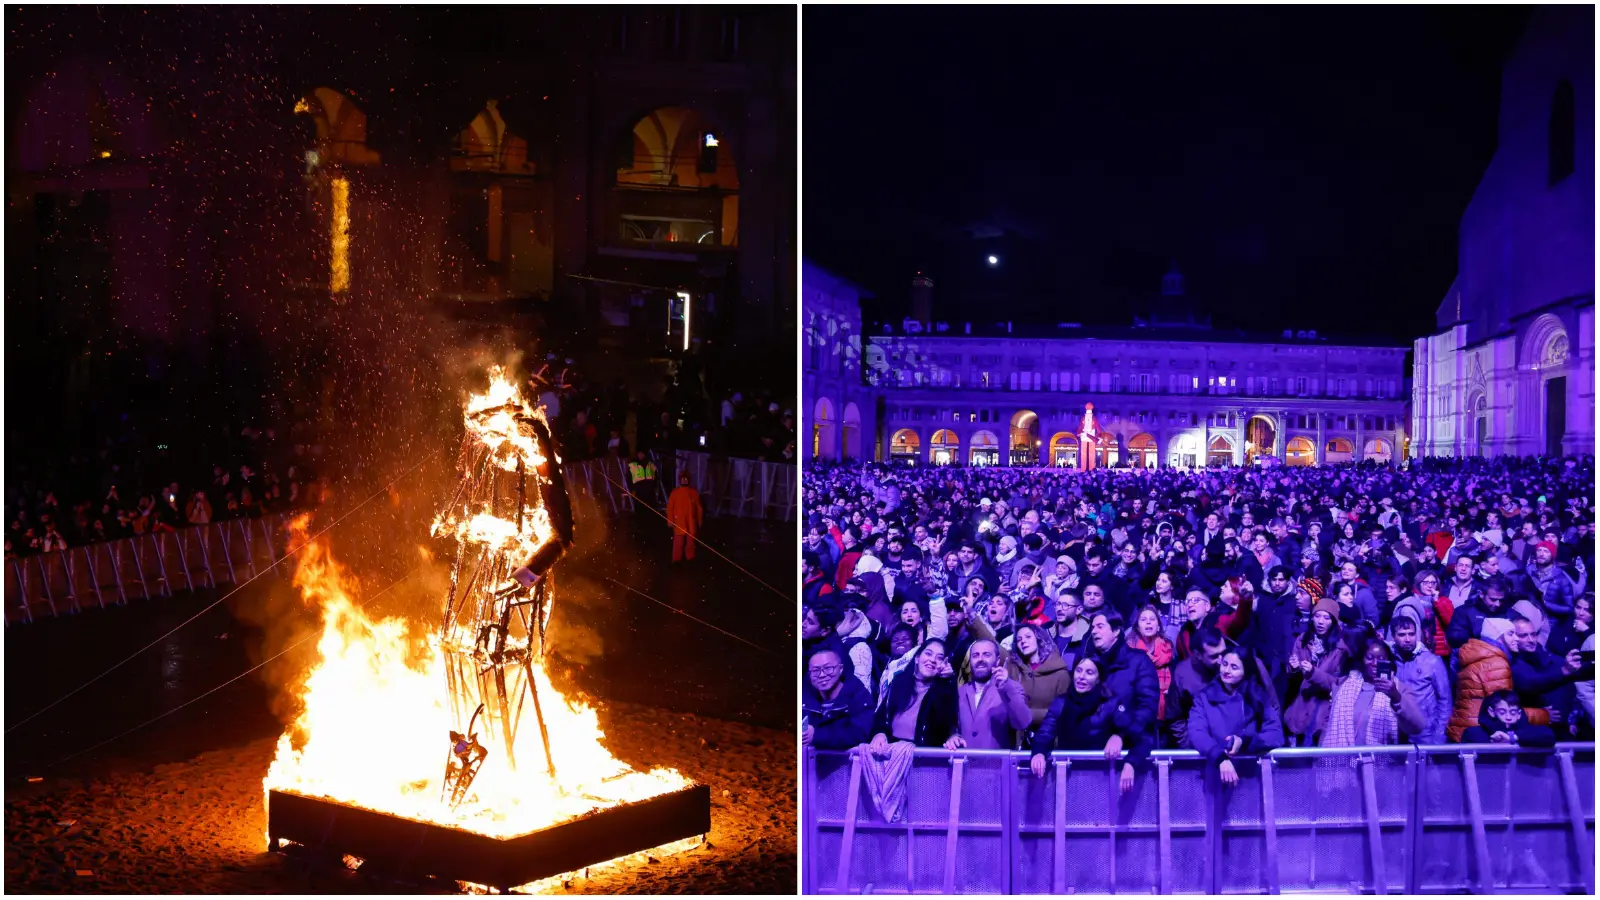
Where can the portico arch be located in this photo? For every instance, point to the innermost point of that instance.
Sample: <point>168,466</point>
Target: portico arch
<point>1220,451</point>
<point>945,448</point>
<point>823,443</point>
<point>1064,450</point>
<point>1300,451</point>
<point>903,447</point>
<point>852,431</point>
<point>1024,444</point>
<point>983,449</point>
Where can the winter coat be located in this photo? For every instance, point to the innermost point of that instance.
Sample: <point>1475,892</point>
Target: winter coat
<point>1539,679</point>
<point>1484,669</point>
<point>1466,623</point>
<point>1130,678</point>
<point>1218,713</point>
<point>990,722</point>
<point>1076,722</point>
<point>840,723</point>
<point>1161,655</point>
<point>936,720</point>
<point>1526,733</point>
<point>1273,635</point>
<point>1425,677</point>
<point>1307,714</point>
<point>1041,686</point>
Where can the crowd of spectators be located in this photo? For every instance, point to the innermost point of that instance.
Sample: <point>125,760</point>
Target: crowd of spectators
<point>598,420</point>
<point>1227,611</point>
<point>131,485</point>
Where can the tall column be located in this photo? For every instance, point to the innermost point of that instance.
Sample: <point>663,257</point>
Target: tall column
<point>1240,431</point>
<point>1361,437</point>
<point>1322,439</point>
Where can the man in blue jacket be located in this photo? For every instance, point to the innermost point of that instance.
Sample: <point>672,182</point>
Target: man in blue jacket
<point>837,710</point>
<point>1130,677</point>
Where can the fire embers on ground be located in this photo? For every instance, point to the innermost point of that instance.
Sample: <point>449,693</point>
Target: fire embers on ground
<point>387,709</point>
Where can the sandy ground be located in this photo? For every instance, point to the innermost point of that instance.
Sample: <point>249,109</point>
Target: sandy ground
<point>198,826</point>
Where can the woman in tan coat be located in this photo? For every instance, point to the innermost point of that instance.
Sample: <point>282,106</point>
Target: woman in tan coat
<point>1035,664</point>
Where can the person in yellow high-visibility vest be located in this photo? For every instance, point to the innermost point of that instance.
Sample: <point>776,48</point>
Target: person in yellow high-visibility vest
<point>683,511</point>
<point>642,477</point>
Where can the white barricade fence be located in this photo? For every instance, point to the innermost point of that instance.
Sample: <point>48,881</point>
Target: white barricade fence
<point>1402,819</point>
<point>141,567</point>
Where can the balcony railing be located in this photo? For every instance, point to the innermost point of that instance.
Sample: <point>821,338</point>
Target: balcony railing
<point>1402,819</point>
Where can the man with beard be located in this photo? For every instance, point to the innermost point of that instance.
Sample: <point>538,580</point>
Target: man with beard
<point>1283,543</point>
<point>1540,678</point>
<point>837,711</point>
<point>1466,623</point>
<point>1231,620</point>
<point>1273,635</point>
<point>991,707</point>
<point>1551,585</point>
<point>971,566</point>
<point>1070,629</point>
<point>1096,563</point>
<point>1189,678</point>
<point>1130,678</point>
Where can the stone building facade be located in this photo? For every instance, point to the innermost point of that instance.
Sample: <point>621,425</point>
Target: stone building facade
<point>1510,370</point>
<point>840,417</point>
<point>1163,396</point>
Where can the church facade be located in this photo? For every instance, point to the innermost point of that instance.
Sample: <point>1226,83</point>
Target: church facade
<point>1510,370</point>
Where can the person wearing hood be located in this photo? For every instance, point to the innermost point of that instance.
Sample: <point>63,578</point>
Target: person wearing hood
<point>837,710</point>
<point>1036,664</point>
<point>1502,721</point>
<point>1423,673</point>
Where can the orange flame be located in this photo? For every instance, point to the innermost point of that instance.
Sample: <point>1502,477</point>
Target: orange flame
<point>373,730</point>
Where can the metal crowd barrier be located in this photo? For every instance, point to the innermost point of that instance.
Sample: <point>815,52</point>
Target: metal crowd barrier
<point>1404,819</point>
<point>140,567</point>
<point>743,488</point>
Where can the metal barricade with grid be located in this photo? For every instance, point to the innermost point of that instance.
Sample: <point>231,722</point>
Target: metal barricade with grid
<point>1396,819</point>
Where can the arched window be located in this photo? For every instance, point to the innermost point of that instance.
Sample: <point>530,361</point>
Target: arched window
<point>1563,133</point>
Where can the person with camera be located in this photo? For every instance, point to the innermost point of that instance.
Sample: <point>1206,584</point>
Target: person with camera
<point>1369,706</point>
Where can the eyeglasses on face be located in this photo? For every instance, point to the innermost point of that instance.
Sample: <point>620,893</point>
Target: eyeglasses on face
<point>827,670</point>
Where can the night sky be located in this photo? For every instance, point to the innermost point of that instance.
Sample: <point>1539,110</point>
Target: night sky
<point>1306,167</point>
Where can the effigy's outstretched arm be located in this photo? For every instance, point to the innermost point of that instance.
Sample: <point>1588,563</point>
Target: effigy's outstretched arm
<point>553,492</point>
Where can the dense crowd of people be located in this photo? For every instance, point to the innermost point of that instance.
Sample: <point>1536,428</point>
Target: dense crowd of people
<point>128,487</point>
<point>597,420</point>
<point>1227,611</point>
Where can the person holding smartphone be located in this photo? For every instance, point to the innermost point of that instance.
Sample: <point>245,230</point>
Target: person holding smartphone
<point>1370,706</point>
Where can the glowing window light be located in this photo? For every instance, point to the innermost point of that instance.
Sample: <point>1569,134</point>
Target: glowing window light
<point>711,140</point>
<point>688,309</point>
<point>339,265</point>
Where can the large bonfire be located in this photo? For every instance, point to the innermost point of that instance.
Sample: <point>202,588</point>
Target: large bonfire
<point>388,705</point>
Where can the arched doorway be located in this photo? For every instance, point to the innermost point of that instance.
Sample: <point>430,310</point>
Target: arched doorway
<point>1025,438</point>
<point>823,445</point>
<point>1142,451</point>
<point>1220,451</point>
<point>852,431</point>
<point>1260,438</point>
<point>1184,451</point>
<point>945,448</point>
<point>1300,452</point>
<point>903,447</point>
<point>1106,452</point>
<point>1378,450</point>
<point>1064,450</point>
<point>676,182</point>
<point>1479,408</point>
<point>984,449</point>
<point>1339,450</point>
<point>1548,337</point>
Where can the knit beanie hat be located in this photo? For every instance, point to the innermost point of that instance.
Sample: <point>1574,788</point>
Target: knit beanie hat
<point>1327,605</point>
<point>1313,587</point>
<point>1527,610</point>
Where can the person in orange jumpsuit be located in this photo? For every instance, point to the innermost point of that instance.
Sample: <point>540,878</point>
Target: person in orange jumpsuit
<point>684,513</point>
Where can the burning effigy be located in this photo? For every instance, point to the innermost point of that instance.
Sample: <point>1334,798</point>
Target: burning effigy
<point>459,726</point>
